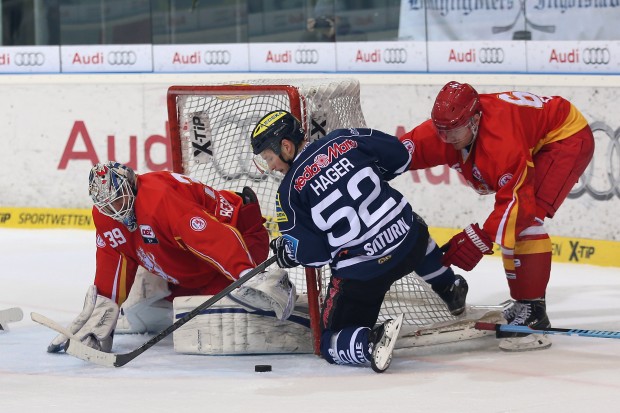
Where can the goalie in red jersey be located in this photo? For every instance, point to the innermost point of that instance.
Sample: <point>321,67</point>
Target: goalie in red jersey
<point>196,239</point>
<point>530,151</point>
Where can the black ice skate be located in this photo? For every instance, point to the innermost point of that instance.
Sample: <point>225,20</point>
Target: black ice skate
<point>383,339</point>
<point>530,313</point>
<point>454,296</point>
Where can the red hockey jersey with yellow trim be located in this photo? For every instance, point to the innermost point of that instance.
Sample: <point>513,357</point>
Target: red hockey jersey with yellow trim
<point>186,234</point>
<point>513,128</point>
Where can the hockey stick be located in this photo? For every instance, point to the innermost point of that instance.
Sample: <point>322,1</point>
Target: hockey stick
<point>505,328</point>
<point>77,349</point>
<point>10,315</point>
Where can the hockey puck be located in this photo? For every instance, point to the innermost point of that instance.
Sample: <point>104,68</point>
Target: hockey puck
<point>262,368</point>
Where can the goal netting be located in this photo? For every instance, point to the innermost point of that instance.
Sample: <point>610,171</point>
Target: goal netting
<point>210,128</point>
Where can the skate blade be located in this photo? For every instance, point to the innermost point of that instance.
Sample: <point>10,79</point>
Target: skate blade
<point>530,342</point>
<point>382,356</point>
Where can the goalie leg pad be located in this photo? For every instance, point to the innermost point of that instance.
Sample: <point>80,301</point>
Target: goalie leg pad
<point>145,310</point>
<point>268,291</point>
<point>227,328</point>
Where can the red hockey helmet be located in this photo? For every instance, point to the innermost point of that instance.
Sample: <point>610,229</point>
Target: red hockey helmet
<point>455,106</point>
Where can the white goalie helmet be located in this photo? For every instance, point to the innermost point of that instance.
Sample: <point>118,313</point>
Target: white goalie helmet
<point>112,187</point>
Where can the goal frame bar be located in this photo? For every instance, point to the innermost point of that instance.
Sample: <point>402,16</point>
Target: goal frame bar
<point>313,281</point>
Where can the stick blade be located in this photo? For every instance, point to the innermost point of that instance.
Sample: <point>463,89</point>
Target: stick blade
<point>10,315</point>
<point>80,350</point>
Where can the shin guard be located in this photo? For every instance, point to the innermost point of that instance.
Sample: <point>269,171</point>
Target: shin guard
<point>528,266</point>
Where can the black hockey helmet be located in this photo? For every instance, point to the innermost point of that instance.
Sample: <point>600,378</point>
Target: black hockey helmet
<point>272,128</point>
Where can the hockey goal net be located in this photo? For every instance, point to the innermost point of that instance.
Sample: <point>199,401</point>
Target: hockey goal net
<point>210,128</point>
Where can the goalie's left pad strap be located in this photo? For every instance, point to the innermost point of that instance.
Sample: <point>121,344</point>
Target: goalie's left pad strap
<point>227,328</point>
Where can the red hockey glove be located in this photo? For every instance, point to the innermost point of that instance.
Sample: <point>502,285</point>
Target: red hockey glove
<point>465,249</point>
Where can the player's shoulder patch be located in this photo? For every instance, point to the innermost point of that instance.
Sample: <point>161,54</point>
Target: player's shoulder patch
<point>197,223</point>
<point>100,242</point>
<point>280,214</point>
<point>409,145</point>
<point>148,235</point>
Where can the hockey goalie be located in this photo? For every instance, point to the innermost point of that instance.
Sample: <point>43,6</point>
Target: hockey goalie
<point>163,235</point>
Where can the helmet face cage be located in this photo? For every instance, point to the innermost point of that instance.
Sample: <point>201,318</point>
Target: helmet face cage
<point>454,108</point>
<point>272,128</point>
<point>112,189</point>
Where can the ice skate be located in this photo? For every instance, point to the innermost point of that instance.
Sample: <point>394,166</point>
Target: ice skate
<point>383,339</point>
<point>454,296</point>
<point>530,313</point>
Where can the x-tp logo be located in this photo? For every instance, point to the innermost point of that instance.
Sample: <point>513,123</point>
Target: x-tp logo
<point>596,56</point>
<point>395,56</point>
<point>217,57</point>
<point>29,59</point>
<point>580,251</point>
<point>491,55</point>
<point>124,58</point>
<point>307,56</point>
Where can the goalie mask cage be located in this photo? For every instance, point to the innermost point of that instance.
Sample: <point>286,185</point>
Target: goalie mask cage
<point>210,127</point>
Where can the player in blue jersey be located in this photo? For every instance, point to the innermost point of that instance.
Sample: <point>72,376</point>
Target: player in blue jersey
<point>335,207</point>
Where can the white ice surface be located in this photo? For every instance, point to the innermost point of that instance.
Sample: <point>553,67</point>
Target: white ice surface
<point>48,271</point>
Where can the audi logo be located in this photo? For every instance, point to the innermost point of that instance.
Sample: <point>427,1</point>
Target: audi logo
<point>395,56</point>
<point>596,55</point>
<point>217,57</point>
<point>124,58</point>
<point>307,56</point>
<point>29,59</point>
<point>603,182</point>
<point>491,55</point>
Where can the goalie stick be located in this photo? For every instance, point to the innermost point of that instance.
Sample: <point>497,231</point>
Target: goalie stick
<point>10,315</point>
<point>506,328</point>
<point>77,349</point>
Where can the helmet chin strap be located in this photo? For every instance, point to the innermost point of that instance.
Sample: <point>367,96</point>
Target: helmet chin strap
<point>466,151</point>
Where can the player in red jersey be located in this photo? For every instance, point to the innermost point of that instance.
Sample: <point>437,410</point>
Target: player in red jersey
<point>195,237</point>
<point>530,151</point>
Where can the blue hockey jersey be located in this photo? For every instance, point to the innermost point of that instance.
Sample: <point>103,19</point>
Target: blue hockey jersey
<point>335,205</point>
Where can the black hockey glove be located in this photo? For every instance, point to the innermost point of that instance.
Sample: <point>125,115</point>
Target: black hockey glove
<point>282,252</point>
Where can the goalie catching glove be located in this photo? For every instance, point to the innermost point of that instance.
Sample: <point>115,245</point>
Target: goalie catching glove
<point>268,291</point>
<point>466,249</point>
<point>283,251</point>
<point>94,326</point>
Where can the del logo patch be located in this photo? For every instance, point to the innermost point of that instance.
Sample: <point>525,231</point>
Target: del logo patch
<point>280,214</point>
<point>198,223</point>
<point>148,235</point>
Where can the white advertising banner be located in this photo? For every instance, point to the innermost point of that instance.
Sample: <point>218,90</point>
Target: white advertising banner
<point>201,58</point>
<point>106,58</point>
<point>83,120</point>
<point>402,56</point>
<point>509,20</point>
<point>30,59</point>
<point>574,57</point>
<point>477,56</point>
<point>294,57</point>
